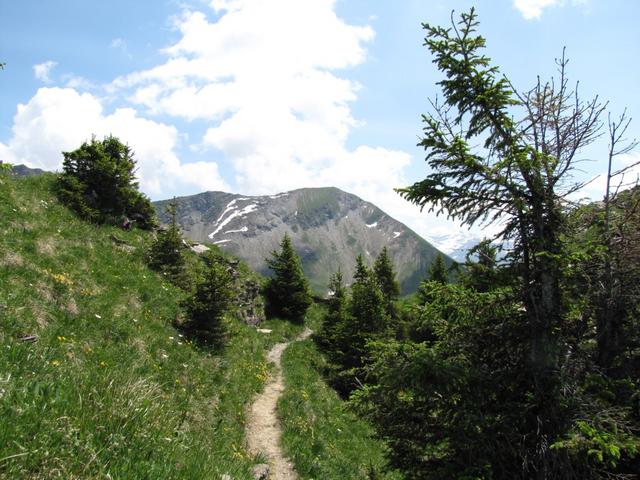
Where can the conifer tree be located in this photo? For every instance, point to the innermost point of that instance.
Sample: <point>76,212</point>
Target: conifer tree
<point>165,254</point>
<point>287,292</point>
<point>366,320</point>
<point>362,271</point>
<point>353,324</point>
<point>334,317</point>
<point>386,279</point>
<point>498,155</point>
<point>212,299</point>
<point>98,182</point>
<point>481,268</point>
<point>438,270</point>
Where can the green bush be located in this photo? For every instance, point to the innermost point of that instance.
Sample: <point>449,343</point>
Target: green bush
<point>98,183</point>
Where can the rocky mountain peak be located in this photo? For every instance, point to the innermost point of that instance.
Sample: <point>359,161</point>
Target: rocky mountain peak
<point>328,227</point>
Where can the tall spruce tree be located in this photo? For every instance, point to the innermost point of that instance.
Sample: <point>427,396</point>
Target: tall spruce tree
<point>488,167</point>
<point>386,279</point>
<point>287,292</point>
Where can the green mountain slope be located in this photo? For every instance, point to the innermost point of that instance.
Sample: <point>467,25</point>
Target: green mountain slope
<point>94,380</point>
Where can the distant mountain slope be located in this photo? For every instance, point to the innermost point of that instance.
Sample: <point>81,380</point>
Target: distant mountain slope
<point>24,171</point>
<point>329,228</point>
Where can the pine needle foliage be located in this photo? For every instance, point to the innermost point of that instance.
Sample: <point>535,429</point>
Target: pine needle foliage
<point>287,292</point>
<point>207,307</point>
<point>386,279</point>
<point>98,182</point>
<point>166,253</point>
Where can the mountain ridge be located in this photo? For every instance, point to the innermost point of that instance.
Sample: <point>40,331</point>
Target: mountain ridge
<point>328,226</point>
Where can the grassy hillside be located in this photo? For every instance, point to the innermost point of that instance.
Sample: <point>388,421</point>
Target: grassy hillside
<point>94,380</point>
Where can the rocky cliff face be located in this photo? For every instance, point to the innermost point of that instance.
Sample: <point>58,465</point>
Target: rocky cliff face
<point>328,227</point>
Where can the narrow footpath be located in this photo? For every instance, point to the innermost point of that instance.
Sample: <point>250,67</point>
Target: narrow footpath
<point>263,429</point>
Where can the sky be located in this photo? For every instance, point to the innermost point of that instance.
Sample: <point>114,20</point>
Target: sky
<point>263,96</point>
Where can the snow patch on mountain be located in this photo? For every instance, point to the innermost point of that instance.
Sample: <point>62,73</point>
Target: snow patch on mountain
<point>238,213</point>
<point>240,230</point>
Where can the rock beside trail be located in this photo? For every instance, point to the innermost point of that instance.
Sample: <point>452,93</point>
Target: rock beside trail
<point>249,301</point>
<point>261,471</point>
<point>199,248</point>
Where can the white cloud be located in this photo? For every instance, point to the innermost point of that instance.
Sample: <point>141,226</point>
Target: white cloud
<point>265,77</point>
<point>121,45</point>
<point>60,119</point>
<point>43,70</point>
<point>596,189</point>
<point>532,9</point>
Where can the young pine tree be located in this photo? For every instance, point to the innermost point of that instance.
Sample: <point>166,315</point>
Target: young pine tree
<point>363,318</point>
<point>438,270</point>
<point>481,268</point>
<point>386,279</point>
<point>213,298</point>
<point>165,254</point>
<point>334,318</point>
<point>287,292</point>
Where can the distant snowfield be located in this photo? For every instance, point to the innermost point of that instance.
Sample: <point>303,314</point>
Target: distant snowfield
<point>456,245</point>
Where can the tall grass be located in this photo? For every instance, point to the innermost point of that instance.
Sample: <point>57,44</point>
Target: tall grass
<point>94,380</point>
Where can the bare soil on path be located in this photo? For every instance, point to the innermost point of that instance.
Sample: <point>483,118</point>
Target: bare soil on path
<point>263,429</point>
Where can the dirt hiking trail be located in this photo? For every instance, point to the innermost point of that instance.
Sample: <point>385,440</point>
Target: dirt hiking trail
<point>263,429</point>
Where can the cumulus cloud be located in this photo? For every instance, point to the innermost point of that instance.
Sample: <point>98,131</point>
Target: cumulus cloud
<point>43,70</point>
<point>532,9</point>
<point>269,78</point>
<point>264,75</point>
<point>60,119</point>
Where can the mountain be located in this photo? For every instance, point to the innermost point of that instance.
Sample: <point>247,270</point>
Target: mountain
<point>457,245</point>
<point>24,171</point>
<point>328,227</point>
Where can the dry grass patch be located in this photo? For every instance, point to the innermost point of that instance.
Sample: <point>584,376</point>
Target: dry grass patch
<point>46,246</point>
<point>12,259</point>
<point>72,307</point>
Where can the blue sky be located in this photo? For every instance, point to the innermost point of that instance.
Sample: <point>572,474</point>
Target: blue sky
<point>261,96</point>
